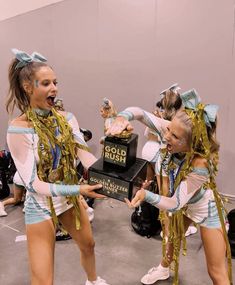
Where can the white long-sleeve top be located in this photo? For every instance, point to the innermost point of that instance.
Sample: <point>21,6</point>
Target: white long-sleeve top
<point>200,203</point>
<point>23,145</point>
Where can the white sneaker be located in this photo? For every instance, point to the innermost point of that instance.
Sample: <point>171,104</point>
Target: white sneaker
<point>98,281</point>
<point>3,213</point>
<point>155,274</point>
<point>190,231</point>
<point>90,212</point>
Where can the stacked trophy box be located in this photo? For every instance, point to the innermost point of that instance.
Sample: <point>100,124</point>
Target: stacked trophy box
<point>119,170</point>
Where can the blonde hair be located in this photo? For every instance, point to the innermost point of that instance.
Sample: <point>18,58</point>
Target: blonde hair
<point>185,119</point>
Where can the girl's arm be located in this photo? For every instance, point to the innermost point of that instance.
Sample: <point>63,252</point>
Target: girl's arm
<point>135,113</point>
<point>21,145</point>
<point>184,192</point>
<point>83,153</point>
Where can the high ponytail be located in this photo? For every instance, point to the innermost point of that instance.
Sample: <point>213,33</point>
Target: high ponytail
<point>17,96</point>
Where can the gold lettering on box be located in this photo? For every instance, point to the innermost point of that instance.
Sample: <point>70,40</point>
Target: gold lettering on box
<point>116,154</point>
<point>109,184</point>
<point>113,187</point>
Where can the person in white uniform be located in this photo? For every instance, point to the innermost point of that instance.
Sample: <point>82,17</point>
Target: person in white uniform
<point>188,164</point>
<point>45,145</point>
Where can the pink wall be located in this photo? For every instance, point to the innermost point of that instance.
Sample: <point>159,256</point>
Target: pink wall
<point>12,8</point>
<point>128,51</point>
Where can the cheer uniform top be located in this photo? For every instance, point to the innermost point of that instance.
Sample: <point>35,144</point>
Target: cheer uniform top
<point>23,145</point>
<point>198,202</point>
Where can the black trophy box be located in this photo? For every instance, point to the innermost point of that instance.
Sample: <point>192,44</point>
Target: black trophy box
<point>118,185</point>
<point>120,153</point>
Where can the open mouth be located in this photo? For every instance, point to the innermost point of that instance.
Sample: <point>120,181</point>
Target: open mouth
<point>51,100</point>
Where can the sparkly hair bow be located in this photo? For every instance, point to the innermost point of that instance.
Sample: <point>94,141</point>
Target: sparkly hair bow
<point>174,88</point>
<point>191,100</point>
<point>25,58</point>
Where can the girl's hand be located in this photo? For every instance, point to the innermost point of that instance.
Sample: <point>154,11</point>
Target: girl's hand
<point>146,184</point>
<point>89,190</point>
<point>118,125</point>
<point>136,201</point>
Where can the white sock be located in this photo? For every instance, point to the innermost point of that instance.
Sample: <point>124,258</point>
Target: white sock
<point>93,282</point>
<point>162,268</point>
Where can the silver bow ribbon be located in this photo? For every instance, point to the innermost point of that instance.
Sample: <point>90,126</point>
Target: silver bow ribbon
<point>25,58</point>
<point>191,99</point>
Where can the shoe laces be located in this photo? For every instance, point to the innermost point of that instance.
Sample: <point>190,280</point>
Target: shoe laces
<point>152,270</point>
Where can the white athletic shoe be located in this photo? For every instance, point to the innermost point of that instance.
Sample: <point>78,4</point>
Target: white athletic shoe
<point>98,281</point>
<point>190,231</point>
<point>155,274</point>
<point>3,213</point>
<point>90,212</point>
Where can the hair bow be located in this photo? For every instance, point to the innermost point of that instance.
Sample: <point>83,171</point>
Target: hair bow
<point>25,58</point>
<point>191,100</point>
<point>174,88</point>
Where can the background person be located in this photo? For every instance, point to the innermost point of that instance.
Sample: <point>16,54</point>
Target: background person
<point>18,195</point>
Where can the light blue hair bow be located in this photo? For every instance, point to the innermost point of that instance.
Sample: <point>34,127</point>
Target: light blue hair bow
<point>175,87</point>
<point>191,99</point>
<point>25,58</point>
